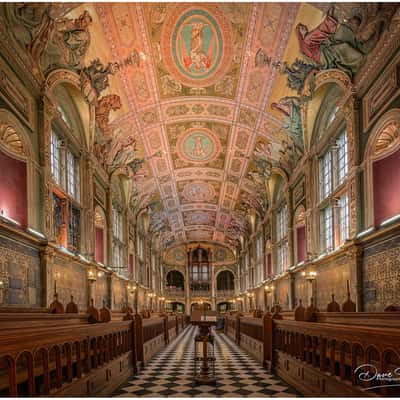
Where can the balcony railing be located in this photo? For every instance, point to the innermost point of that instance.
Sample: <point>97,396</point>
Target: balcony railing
<point>200,293</point>
<point>174,292</point>
<point>225,293</point>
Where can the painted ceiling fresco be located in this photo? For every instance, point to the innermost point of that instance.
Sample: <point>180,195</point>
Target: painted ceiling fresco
<point>208,98</point>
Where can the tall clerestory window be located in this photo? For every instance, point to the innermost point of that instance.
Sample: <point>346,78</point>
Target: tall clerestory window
<point>65,171</point>
<point>118,240</point>
<point>333,195</point>
<point>281,239</point>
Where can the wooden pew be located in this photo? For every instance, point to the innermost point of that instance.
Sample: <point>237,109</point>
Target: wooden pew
<point>322,357</point>
<point>64,356</point>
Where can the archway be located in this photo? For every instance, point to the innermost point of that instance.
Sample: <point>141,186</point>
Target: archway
<point>176,306</point>
<point>224,306</point>
<point>225,281</point>
<point>200,306</point>
<point>175,280</point>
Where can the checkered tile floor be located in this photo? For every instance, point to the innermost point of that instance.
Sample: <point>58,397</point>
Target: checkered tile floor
<point>170,373</point>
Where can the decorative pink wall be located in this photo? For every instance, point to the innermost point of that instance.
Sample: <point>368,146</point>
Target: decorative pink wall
<point>13,190</point>
<point>100,245</point>
<point>386,177</point>
<point>301,243</point>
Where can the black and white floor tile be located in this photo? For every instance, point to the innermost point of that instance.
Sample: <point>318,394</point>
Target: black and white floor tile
<point>170,373</point>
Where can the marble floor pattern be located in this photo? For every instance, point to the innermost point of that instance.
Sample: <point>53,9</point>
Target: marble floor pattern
<point>170,373</point>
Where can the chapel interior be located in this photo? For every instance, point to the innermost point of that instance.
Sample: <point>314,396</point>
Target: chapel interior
<point>200,199</point>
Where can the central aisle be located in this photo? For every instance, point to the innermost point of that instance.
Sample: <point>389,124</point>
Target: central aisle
<point>170,373</point>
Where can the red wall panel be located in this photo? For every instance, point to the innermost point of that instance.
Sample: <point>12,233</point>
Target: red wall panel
<point>386,177</point>
<point>301,243</point>
<point>13,189</point>
<point>131,263</point>
<point>99,245</point>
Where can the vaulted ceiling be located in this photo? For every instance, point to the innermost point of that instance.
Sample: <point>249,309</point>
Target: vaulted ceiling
<point>198,101</point>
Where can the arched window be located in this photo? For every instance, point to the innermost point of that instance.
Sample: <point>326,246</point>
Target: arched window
<point>175,280</point>
<point>225,282</point>
<point>333,167</point>
<point>260,255</point>
<point>383,171</point>
<point>132,272</point>
<point>246,270</point>
<point>66,140</point>
<point>118,228</point>
<point>281,238</point>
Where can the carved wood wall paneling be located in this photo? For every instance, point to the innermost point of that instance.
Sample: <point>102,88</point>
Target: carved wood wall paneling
<point>20,271</point>
<point>381,274</point>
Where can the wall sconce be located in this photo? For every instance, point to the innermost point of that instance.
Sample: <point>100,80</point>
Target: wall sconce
<point>2,288</point>
<point>310,275</point>
<point>92,276</point>
<point>100,274</point>
<point>57,276</point>
<point>131,288</point>
<point>268,289</point>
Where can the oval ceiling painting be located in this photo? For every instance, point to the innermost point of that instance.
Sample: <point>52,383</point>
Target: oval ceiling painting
<point>198,191</point>
<point>198,145</point>
<point>197,46</point>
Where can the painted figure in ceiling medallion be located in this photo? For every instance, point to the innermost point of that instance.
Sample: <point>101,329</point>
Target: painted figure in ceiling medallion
<point>196,45</point>
<point>198,145</point>
<point>198,192</point>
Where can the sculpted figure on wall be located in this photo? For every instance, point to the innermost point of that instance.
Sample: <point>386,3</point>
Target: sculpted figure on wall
<point>289,107</point>
<point>31,25</point>
<point>69,43</point>
<point>74,36</point>
<point>98,74</point>
<point>103,109</point>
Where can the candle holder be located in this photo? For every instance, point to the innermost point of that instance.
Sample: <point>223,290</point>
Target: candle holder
<point>309,275</point>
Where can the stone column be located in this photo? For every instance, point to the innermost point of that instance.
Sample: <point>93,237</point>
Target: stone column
<point>187,282</point>
<point>350,110</point>
<point>46,114</point>
<point>109,233</point>
<point>289,221</point>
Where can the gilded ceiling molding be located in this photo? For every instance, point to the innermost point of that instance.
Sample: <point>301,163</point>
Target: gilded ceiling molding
<point>13,137</point>
<point>62,75</point>
<point>388,138</point>
<point>11,140</point>
<point>384,138</point>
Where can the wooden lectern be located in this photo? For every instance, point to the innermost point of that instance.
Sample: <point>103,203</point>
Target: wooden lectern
<point>204,346</point>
